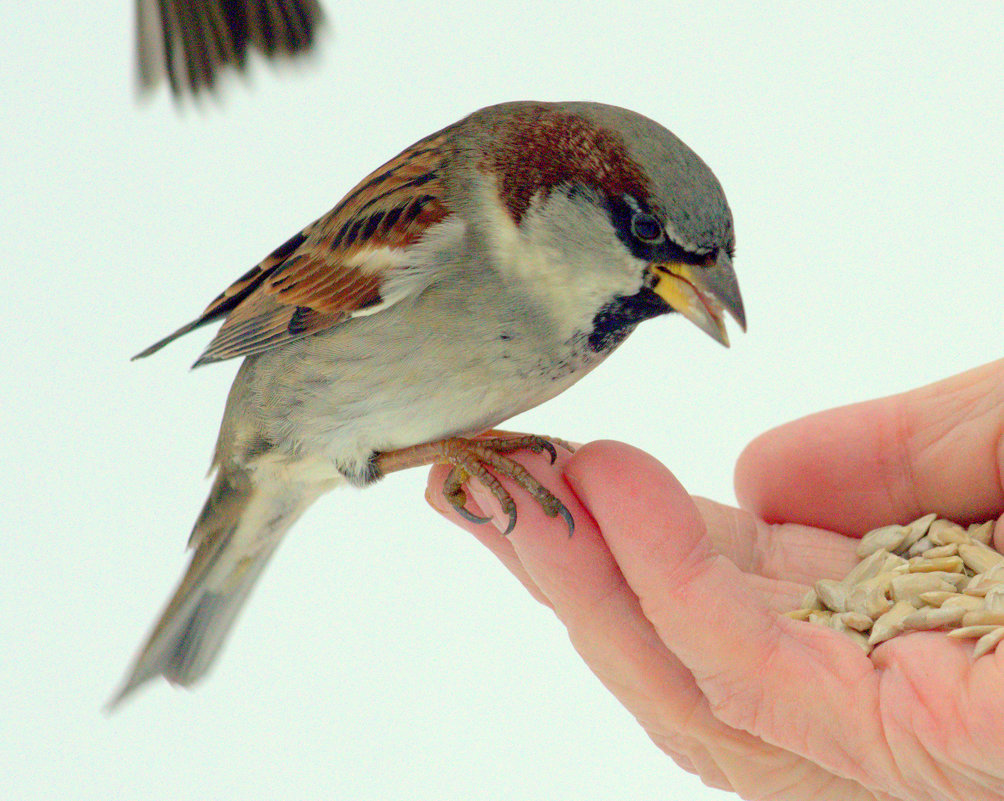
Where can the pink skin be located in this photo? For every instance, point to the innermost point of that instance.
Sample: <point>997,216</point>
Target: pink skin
<point>673,601</point>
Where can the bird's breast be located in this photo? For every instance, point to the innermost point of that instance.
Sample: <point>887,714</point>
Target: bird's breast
<point>346,394</point>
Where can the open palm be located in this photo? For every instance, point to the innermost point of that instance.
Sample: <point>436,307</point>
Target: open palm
<point>673,601</point>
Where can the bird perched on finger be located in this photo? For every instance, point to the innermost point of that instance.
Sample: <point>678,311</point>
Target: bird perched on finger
<point>192,41</point>
<point>475,275</point>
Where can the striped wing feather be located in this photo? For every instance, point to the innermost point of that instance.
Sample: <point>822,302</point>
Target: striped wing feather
<point>335,266</point>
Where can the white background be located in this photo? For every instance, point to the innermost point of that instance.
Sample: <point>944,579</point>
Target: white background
<point>386,655</point>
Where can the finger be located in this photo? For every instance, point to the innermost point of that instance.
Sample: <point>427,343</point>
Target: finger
<point>787,559</point>
<point>787,553</point>
<point>487,534</point>
<point>759,675</point>
<point>935,449</point>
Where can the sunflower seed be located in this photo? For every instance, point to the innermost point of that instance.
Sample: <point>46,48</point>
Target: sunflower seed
<point>811,601</point>
<point>921,546</point>
<point>967,602</point>
<point>871,597</point>
<point>944,531</point>
<point>937,598</point>
<point>860,639</point>
<point>909,587</point>
<point>971,632</point>
<point>982,532</point>
<point>924,564</point>
<point>890,624</point>
<point>994,599</point>
<point>981,583</point>
<point>832,594</point>
<point>887,537</point>
<point>979,557</point>
<point>893,563</point>
<point>957,580</point>
<point>934,617</point>
<point>868,567</point>
<point>917,529</point>
<point>942,550</point>
<point>855,620</point>
<point>834,622</point>
<point>799,614</point>
<point>988,642</point>
<point>983,617</point>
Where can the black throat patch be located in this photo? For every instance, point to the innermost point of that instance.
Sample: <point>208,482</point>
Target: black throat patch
<point>617,319</point>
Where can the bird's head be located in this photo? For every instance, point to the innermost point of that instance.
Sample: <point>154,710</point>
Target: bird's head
<point>602,214</point>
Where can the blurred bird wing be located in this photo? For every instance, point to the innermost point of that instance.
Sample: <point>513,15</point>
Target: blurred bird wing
<point>350,262</point>
<point>193,41</point>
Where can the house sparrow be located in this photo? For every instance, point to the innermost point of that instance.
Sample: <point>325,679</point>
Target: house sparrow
<point>191,40</point>
<point>478,273</point>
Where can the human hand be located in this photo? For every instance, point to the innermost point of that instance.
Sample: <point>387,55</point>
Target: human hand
<point>673,601</point>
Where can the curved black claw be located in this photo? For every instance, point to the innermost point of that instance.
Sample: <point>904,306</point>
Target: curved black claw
<point>554,508</point>
<point>547,446</point>
<point>457,498</point>
<point>470,517</point>
<point>567,517</point>
<point>512,524</point>
<point>568,446</point>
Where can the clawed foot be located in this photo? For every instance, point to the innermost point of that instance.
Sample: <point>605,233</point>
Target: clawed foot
<point>472,458</point>
<point>481,459</point>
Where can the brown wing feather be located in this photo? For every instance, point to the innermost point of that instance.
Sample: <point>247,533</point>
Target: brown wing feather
<point>333,267</point>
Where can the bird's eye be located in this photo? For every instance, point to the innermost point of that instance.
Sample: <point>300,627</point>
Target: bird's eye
<point>645,228</point>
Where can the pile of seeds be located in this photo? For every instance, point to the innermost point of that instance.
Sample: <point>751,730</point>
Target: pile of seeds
<point>930,574</point>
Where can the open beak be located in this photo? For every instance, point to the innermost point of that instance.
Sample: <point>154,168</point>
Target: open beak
<point>702,293</point>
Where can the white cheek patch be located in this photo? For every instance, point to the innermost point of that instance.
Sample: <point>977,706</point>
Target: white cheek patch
<point>519,253</point>
<point>566,255</point>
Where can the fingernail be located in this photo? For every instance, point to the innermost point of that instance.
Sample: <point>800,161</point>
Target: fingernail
<point>436,500</point>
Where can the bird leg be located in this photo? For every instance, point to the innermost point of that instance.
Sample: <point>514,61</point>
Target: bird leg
<point>477,458</point>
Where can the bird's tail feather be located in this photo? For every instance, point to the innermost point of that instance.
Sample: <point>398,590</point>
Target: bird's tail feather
<point>236,533</point>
